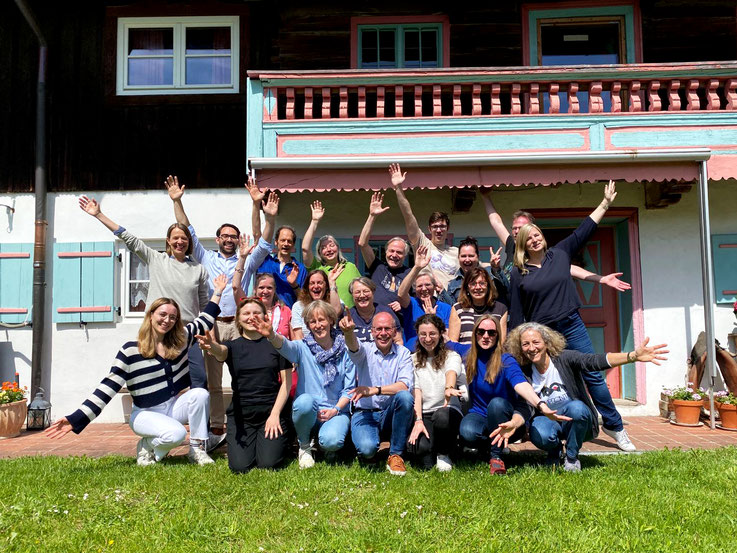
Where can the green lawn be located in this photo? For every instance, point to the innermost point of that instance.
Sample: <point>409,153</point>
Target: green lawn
<point>663,501</point>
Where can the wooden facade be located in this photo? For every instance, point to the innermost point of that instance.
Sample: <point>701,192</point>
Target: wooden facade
<point>97,140</point>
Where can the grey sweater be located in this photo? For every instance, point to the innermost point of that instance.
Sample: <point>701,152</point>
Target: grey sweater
<point>184,282</point>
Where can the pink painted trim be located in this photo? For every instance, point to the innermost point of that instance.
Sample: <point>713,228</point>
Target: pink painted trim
<point>728,245</point>
<point>729,292</point>
<point>12,311</point>
<point>15,255</point>
<point>527,8</point>
<point>91,309</point>
<point>444,20</point>
<point>638,309</point>
<point>83,254</point>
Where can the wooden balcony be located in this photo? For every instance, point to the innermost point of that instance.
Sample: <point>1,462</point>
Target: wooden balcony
<point>498,92</point>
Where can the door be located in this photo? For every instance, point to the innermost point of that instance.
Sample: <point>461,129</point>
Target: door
<point>599,308</point>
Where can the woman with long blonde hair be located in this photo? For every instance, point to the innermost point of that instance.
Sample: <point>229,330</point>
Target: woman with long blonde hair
<point>155,369</point>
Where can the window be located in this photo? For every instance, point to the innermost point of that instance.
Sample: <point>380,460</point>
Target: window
<point>404,42</point>
<point>177,55</point>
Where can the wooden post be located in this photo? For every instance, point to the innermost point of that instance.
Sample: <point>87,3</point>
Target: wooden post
<point>476,99</point>
<point>635,100</point>
<point>290,102</point>
<point>326,103</point>
<point>308,102</point>
<point>516,103</point>
<point>596,103</point>
<point>692,96</point>
<point>361,102</point>
<point>553,89</point>
<point>653,96</point>
<point>437,104</point>
<point>343,102</point>
<point>418,100</point>
<point>457,100</point>
<point>616,97</point>
<point>573,106</point>
<point>712,98</point>
<point>730,94</point>
<point>399,101</point>
<point>674,99</point>
<point>380,102</point>
<point>496,104</point>
<point>533,99</point>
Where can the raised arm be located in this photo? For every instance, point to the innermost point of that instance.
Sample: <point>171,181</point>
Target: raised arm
<point>495,220</point>
<point>410,221</point>
<point>644,354</point>
<point>271,208</point>
<point>611,280</point>
<point>375,209</point>
<point>245,247</point>
<point>257,197</point>
<point>422,260</point>
<point>176,191</point>
<point>91,207</point>
<point>610,193</point>
<point>317,213</point>
<point>333,285</point>
<point>210,346</point>
<point>347,327</point>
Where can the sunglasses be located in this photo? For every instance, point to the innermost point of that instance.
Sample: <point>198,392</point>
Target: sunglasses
<point>486,331</point>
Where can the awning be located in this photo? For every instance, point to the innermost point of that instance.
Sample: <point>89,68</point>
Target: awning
<point>367,172</point>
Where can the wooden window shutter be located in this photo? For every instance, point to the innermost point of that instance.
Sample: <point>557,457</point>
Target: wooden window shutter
<point>16,282</point>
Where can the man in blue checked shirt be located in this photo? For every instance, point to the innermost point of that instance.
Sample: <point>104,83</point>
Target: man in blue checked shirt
<point>223,261</point>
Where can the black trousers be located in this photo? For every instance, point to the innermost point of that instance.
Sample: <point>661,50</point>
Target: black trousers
<point>442,425</point>
<point>248,446</point>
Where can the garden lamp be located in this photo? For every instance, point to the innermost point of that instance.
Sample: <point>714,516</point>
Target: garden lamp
<point>39,412</point>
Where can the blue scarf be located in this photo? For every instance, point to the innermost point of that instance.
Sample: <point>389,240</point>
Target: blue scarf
<point>328,359</point>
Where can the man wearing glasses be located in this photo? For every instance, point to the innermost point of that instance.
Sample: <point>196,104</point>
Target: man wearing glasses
<point>443,258</point>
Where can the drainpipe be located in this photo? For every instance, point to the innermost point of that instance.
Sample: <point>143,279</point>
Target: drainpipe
<point>39,244</point>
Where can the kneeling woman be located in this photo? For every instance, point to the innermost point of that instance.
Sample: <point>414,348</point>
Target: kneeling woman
<point>257,425</point>
<point>556,376</point>
<point>155,369</point>
<point>438,414</point>
<point>325,376</point>
<point>495,385</point>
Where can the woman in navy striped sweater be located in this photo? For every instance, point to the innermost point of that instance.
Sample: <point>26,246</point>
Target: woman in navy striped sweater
<point>155,369</point>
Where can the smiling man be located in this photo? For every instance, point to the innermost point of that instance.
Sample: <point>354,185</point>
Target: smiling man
<point>384,405</point>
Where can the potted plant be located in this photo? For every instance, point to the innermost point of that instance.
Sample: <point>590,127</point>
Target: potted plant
<point>12,409</point>
<point>687,404</point>
<point>726,403</point>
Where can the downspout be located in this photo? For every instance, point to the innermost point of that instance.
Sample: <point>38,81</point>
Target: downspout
<point>39,244</point>
<point>707,271</point>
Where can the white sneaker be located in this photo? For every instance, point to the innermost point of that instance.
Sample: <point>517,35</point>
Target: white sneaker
<point>144,456</point>
<point>444,464</point>
<point>306,460</point>
<point>198,455</point>
<point>620,436</point>
<point>214,441</point>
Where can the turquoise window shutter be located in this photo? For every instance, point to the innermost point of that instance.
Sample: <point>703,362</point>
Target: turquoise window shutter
<point>298,250</point>
<point>16,282</point>
<point>348,248</point>
<point>724,252</point>
<point>84,279</point>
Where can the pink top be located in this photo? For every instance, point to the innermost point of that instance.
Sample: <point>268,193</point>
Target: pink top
<point>281,319</point>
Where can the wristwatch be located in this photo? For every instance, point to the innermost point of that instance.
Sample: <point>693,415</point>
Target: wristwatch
<point>378,390</point>
<point>539,403</point>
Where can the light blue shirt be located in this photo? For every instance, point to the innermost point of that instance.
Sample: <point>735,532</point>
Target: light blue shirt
<point>373,368</point>
<point>217,264</point>
<point>310,375</point>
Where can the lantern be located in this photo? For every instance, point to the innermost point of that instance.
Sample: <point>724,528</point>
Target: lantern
<point>39,412</point>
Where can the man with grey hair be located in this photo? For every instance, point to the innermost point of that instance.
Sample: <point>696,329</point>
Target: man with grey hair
<point>387,275</point>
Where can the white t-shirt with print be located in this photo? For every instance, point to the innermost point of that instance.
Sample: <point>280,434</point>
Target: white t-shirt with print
<point>549,386</point>
<point>444,262</point>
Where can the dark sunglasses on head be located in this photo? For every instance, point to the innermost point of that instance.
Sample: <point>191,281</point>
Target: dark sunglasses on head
<point>482,331</point>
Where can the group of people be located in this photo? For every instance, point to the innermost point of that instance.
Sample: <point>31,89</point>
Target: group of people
<point>445,356</point>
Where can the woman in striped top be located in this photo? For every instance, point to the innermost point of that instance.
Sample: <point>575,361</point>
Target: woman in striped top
<point>477,297</point>
<point>155,369</point>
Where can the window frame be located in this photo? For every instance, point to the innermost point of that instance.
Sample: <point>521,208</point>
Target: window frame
<point>399,24</point>
<point>178,26</point>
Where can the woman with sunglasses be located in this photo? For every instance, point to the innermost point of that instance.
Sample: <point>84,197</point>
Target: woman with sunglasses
<point>497,391</point>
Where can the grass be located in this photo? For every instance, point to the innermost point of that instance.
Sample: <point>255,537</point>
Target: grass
<point>662,501</point>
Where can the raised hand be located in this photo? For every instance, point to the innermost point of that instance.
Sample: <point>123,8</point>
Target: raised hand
<point>206,340</point>
<point>610,192</point>
<point>256,195</point>
<point>395,306</point>
<point>375,207</point>
<point>263,325</point>
<point>175,190</point>
<point>293,274</point>
<point>396,175</point>
<point>652,354</point>
<point>427,305</point>
<point>271,207</point>
<point>496,258</point>
<point>89,205</point>
<point>317,210</point>
<point>58,428</point>
<point>220,282</point>
<point>335,273</point>
<point>245,245</point>
<point>347,324</point>
<point>613,281</point>
<point>422,257</point>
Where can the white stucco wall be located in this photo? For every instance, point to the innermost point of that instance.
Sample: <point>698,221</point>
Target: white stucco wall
<point>77,358</point>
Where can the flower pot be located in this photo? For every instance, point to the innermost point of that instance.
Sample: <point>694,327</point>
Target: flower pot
<point>728,415</point>
<point>687,412</point>
<point>12,417</point>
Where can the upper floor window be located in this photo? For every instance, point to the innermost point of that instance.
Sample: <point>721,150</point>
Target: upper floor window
<point>177,55</point>
<point>410,43</point>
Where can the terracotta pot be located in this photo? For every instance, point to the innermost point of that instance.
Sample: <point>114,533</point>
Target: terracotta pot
<point>728,415</point>
<point>12,417</point>
<point>687,412</point>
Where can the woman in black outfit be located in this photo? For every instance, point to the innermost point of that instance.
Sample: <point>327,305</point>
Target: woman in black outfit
<point>257,425</point>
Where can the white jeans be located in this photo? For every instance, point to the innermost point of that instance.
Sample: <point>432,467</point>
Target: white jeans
<point>163,424</point>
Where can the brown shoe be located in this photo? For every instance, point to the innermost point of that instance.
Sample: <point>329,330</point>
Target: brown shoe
<point>496,466</point>
<point>395,465</point>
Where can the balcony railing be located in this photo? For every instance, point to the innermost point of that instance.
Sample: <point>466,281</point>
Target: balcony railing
<point>494,92</point>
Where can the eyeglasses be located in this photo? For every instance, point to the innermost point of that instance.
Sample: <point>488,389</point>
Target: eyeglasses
<point>438,227</point>
<point>486,331</point>
<point>229,237</point>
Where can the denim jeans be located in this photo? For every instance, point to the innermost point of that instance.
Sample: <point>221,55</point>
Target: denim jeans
<point>475,428</point>
<point>395,419</point>
<point>574,331</point>
<point>330,434</point>
<point>197,373</point>
<point>547,434</point>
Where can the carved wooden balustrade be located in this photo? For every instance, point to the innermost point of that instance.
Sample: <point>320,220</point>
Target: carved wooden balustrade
<point>457,92</point>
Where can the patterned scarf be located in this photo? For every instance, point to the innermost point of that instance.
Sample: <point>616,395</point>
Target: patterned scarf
<point>328,359</point>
